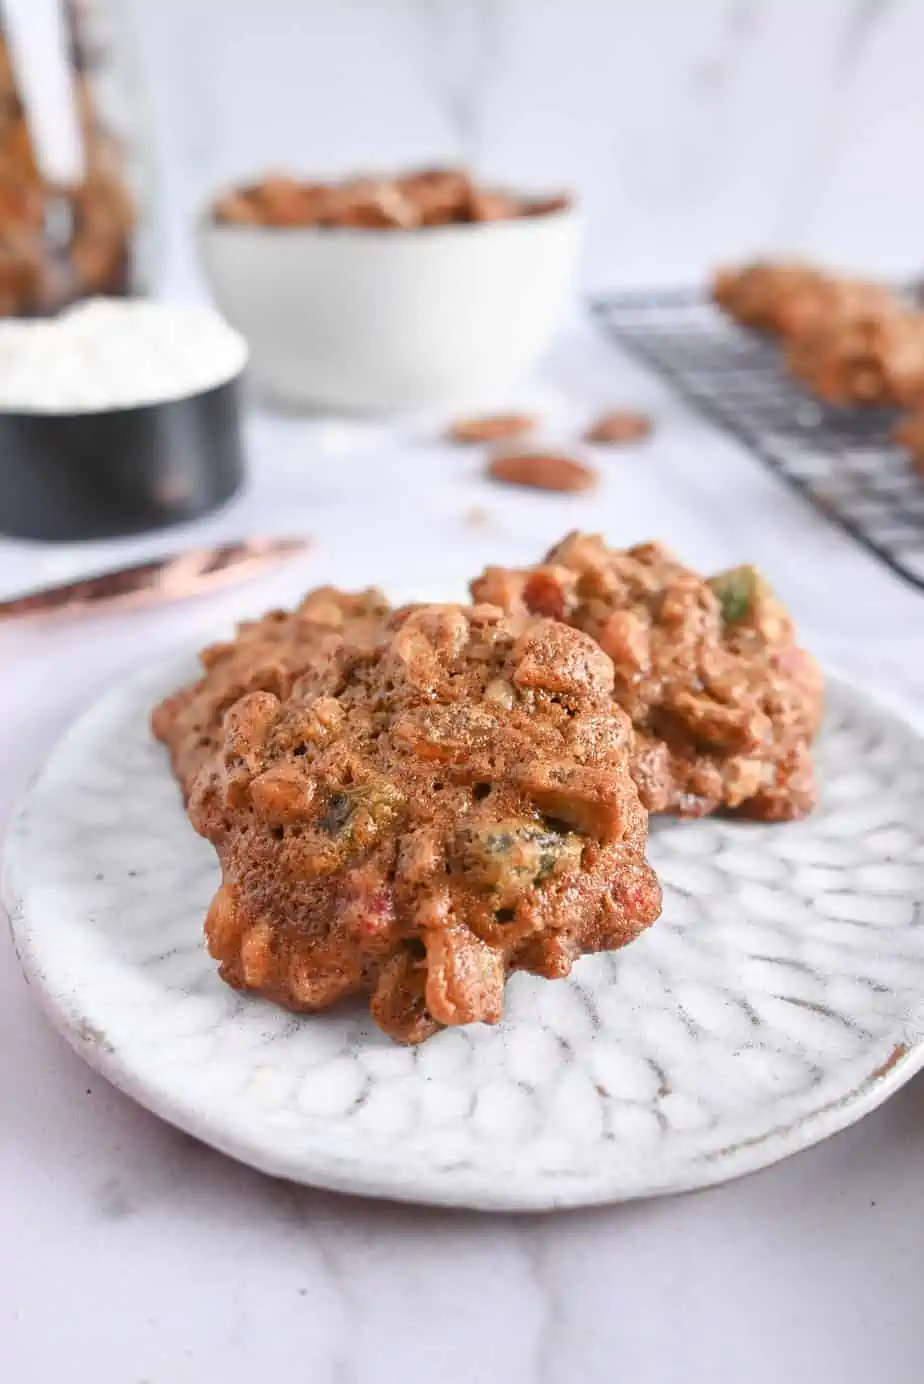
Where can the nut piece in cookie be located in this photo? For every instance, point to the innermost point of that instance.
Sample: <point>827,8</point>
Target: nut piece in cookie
<point>877,358</point>
<point>265,655</point>
<point>420,818</point>
<point>619,427</point>
<point>541,471</point>
<point>724,702</point>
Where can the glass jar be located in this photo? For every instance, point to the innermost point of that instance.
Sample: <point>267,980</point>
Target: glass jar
<point>72,223</point>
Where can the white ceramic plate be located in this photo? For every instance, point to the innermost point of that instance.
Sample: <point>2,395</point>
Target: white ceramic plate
<point>776,1001</point>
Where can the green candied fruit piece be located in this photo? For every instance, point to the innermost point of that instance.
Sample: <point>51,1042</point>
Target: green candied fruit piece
<point>532,851</point>
<point>738,591</point>
<point>337,812</point>
<point>369,809</point>
<point>509,858</point>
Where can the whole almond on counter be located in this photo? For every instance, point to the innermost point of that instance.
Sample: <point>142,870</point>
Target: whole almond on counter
<point>492,427</point>
<point>619,426</point>
<point>541,471</point>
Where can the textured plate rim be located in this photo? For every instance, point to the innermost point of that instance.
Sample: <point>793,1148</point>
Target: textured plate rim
<point>442,1187</point>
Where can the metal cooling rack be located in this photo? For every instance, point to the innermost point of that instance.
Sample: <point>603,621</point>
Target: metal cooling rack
<point>841,459</point>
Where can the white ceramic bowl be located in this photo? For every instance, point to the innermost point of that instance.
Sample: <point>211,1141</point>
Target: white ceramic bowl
<point>373,320</point>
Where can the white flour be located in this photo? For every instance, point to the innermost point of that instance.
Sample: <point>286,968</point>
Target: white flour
<point>110,354</point>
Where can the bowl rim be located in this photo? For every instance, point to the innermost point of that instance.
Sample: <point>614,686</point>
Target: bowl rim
<point>571,211</point>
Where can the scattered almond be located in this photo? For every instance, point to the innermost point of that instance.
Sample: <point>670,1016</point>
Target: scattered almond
<point>492,427</point>
<point>546,206</point>
<point>542,471</point>
<point>618,426</point>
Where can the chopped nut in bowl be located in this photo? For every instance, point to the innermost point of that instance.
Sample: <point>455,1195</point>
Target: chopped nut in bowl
<point>412,201</point>
<point>381,293</point>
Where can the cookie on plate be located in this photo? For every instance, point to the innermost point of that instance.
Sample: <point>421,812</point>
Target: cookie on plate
<point>724,702</point>
<point>266,655</point>
<point>420,818</point>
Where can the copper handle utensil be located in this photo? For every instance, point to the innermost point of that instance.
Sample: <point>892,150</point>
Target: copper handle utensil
<point>162,579</point>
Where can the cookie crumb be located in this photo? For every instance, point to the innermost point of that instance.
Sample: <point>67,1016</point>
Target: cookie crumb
<point>541,471</point>
<point>619,426</point>
<point>477,518</point>
<point>491,427</point>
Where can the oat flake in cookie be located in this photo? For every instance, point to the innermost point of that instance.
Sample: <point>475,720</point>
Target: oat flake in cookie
<point>724,702</point>
<point>420,819</point>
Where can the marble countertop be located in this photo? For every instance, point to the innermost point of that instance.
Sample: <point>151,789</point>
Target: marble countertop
<point>135,1256</point>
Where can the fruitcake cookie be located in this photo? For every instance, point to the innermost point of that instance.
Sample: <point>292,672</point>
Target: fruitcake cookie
<point>724,702</point>
<point>421,818</point>
<point>266,655</point>
<point>875,358</point>
<point>788,299</point>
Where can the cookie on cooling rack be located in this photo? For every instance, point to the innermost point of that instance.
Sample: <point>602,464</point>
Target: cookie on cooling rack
<point>421,818</point>
<point>876,358</point>
<point>724,702</point>
<point>789,299</point>
<point>909,435</point>
<point>266,655</point>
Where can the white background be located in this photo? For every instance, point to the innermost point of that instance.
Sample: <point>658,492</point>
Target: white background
<point>694,129</point>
